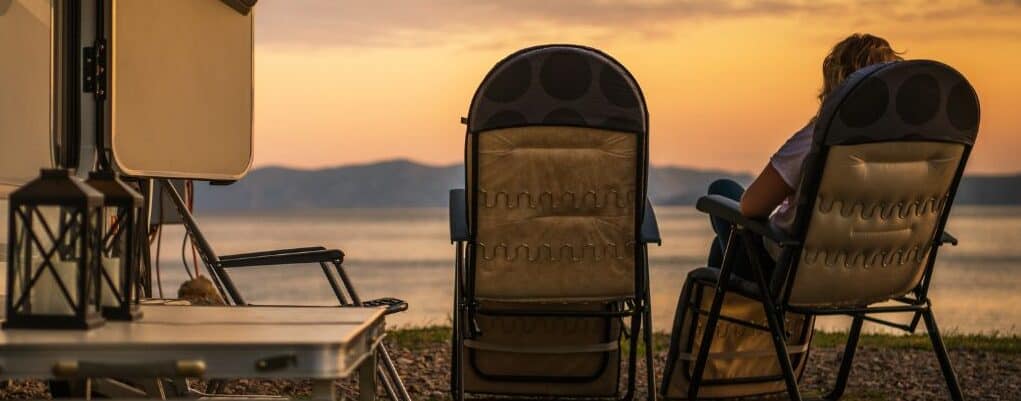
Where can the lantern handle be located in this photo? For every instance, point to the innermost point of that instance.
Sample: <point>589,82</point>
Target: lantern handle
<point>181,368</point>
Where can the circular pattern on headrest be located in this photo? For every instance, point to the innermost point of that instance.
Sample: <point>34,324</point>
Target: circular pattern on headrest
<point>866,105</point>
<point>566,75</point>
<point>564,116</point>
<point>506,118</point>
<point>510,83</point>
<point>615,88</point>
<point>962,107</point>
<point>918,99</point>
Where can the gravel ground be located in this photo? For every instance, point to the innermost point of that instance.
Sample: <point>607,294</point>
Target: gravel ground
<point>878,374</point>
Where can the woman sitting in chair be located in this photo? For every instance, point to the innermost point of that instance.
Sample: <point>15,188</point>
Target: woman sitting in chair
<point>772,194</point>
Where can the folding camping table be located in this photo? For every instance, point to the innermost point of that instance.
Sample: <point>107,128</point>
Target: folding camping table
<point>321,343</point>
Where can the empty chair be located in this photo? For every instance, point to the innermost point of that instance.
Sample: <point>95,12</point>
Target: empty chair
<point>552,228</point>
<point>888,152</point>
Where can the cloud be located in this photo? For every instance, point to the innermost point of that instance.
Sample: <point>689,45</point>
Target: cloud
<point>475,23</point>
<point>412,23</point>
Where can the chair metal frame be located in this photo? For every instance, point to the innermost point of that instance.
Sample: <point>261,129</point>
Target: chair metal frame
<point>775,296</point>
<point>343,289</point>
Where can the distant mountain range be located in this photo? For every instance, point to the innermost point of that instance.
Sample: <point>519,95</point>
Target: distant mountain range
<point>404,183</point>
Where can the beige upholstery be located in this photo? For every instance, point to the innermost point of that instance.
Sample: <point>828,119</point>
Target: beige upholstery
<point>26,138</point>
<point>874,221</point>
<point>556,230</point>
<point>737,352</point>
<point>556,219</point>
<point>181,99</point>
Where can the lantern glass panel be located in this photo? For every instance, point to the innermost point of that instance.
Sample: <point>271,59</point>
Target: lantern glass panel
<point>114,258</point>
<point>50,243</point>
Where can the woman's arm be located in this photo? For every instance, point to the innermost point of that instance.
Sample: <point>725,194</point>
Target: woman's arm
<point>765,194</point>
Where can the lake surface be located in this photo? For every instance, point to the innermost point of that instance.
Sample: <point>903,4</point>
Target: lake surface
<point>406,253</point>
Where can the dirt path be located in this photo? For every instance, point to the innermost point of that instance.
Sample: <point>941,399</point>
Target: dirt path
<point>879,374</point>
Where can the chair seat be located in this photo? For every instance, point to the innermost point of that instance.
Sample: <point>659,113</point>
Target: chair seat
<point>711,275</point>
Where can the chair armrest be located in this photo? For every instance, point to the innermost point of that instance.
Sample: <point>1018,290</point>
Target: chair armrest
<point>730,210</point>
<point>649,232</point>
<point>325,255</point>
<point>947,238</point>
<point>458,215</point>
<point>273,252</point>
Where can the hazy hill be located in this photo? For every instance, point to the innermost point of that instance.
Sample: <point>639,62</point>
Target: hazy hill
<point>403,183</point>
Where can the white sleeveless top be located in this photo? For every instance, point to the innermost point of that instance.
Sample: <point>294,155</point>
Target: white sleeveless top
<point>787,161</point>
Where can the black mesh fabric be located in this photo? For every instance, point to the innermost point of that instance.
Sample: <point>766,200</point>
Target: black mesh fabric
<point>559,85</point>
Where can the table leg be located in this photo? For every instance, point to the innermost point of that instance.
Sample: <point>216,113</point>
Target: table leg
<point>367,379</point>
<point>322,390</point>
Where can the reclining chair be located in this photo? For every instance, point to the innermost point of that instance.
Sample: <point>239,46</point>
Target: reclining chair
<point>551,232</point>
<point>887,155</point>
<point>327,259</point>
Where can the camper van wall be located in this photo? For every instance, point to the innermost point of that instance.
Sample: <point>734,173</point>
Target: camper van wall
<point>26,94</point>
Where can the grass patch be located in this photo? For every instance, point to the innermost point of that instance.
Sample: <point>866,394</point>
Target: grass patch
<point>993,342</point>
<point>415,338</point>
<point>430,336</point>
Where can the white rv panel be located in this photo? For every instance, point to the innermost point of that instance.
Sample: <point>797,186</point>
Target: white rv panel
<point>181,89</point>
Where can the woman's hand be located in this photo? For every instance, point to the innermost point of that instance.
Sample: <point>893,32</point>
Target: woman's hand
<point>765,194</point>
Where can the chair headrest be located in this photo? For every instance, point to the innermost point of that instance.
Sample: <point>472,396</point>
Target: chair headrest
<point>559,85</point>
<point>907,100</point>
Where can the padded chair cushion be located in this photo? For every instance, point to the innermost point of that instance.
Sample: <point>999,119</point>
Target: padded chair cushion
<point>873,222</point>
<point>556,214</point>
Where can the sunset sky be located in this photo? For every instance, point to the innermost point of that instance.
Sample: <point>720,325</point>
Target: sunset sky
<point>340,82</point>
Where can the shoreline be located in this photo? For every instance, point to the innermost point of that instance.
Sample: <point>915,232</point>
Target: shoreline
<point>887,367</point>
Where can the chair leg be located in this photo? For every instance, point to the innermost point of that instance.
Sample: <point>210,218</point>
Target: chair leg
<point>392,378</point>
<point>714,315</point>
<point>650,368</point>
<point>457,370</point>
<point>845,364</point>
<point>942,355</point>
<point>707,338</point>
<point>772,316</point>
<point>636,326</point>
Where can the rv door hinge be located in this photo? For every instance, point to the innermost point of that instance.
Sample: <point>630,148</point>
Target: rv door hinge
<point>94,69</point>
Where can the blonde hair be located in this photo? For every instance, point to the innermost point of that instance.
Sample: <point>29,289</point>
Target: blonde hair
<point>854,52</point>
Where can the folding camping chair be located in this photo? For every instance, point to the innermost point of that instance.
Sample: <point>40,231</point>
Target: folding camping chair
<point>551,232</point>
<point>887,155</point>
<point>218,267</point>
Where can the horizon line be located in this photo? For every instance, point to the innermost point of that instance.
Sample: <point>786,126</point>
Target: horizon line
<point>454,164</point>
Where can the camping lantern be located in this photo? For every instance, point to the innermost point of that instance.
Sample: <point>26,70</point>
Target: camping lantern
<point>53,253</point>
<point>119,249</point>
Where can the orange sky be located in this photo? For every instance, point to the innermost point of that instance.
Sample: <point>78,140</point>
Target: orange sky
<point>726,81</point>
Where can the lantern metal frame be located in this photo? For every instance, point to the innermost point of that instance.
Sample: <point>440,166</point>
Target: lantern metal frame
<point>120,239</point>
<point>74,239</point>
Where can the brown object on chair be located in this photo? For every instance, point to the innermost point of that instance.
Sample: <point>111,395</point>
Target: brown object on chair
<point>200,291</point>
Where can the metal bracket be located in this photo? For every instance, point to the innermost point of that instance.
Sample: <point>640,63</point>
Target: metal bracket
<point>94,70</point>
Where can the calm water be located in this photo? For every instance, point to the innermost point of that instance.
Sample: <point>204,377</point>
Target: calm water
<point>405,253</point>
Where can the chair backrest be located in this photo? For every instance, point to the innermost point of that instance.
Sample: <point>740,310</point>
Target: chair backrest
<point>556,160</point>
<point>887,154</point>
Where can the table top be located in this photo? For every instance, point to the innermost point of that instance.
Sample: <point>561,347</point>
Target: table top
<point>328,340</point>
